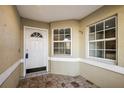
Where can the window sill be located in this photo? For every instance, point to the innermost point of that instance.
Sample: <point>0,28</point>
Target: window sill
<point>101,60</point>
<point>62,56</point>
<point>64,59</point>
<point>111,67</point>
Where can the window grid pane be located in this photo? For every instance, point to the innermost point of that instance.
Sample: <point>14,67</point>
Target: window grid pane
<point>60,46</point>
<point>92,36</point>
<point>110,33</point>
<point>101,43</point>
<point>92,53</point>
<point>92,45</point>
<point>110,23</point>
<point>92,29</point>
<point>100,35</point>
<point>99,26</point>
<point>100,53</point>
<point>110,55</point>
<point>110,44</point>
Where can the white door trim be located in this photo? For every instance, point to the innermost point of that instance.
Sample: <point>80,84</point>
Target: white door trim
<point>24,29</point>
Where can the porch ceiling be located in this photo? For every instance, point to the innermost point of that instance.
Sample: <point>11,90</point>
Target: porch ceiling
<point>50,13</point>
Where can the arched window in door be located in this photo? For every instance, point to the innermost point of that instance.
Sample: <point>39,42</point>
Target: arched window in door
<point>36,34</point>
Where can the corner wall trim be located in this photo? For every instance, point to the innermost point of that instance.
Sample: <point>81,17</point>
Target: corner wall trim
<point>8,72</point>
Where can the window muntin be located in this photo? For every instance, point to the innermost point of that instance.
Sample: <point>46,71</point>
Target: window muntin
<point>102,39</point>
<point>62,41</point>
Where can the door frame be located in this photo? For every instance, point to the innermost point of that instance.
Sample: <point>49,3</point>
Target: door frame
<point>24,60</point>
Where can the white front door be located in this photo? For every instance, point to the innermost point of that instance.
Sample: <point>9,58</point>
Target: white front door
<point>35,48</point>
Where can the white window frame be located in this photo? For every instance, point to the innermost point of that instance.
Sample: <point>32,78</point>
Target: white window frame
<point>60,41</point>
<point>109,61</point>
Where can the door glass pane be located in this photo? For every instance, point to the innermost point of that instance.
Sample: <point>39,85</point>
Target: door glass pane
<point>92,45</point>
<point>100,53</point>
<point>92,29</point>
<point>92,36</point>
<point>110,33</point>
<point>110,23</point>
<point>100,45</point>
<point>36,34</point>
<point>99,26</point>
<point>92,53</point>
<point>110,44</point>
<point>110,55</point>
<point>100,35</point>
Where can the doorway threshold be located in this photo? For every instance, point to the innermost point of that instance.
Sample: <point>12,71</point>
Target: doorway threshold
<point>34,74</point>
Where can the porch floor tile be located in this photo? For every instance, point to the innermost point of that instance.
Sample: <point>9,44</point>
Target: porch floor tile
<point>55,81</point>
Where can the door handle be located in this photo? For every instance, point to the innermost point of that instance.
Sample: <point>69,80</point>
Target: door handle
<point>26,55</point>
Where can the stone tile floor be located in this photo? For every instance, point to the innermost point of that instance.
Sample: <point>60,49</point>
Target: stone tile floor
<point>55,81</point>
<point>35,74</point>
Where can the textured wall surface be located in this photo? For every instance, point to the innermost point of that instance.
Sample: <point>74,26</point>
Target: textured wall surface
<point>9,41</point>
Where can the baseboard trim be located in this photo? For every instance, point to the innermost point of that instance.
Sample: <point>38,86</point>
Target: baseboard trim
<point>9,71</point>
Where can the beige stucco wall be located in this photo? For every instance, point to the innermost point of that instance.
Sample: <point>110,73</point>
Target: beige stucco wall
<point>65,68</point>
<point>9,40</point>
<point>33,23</point>
<point>99,76</point>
